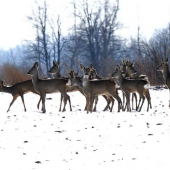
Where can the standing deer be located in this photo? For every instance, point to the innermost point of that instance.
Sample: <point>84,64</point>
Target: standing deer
<point>19,89</point>
<point>123,66</point>
<point>131,73</point>
<point>77,81</point>
<point>55,71</point>
<point>94,76</point>
<point>130,86</point>
<point>42,87</point>
<point>95,88</point>
<point>163,67</point>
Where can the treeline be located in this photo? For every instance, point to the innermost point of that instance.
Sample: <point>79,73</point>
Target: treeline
<point>92,38</point>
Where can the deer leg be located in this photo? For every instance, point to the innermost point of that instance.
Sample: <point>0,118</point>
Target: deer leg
<point>147,95</point>
<point>13,100</point>
<point>123,107</point>
<point>96,101</point>
<point>108,103</point>
<point>61,99</point>
<point>88,104</point>
<point>69,102</point>
<point>149,98</point>
<point>22,98</point>
<point>112,100</point>
<point>43,96</point>
<point>116,96</point>
<point>38,105</point>
<point>91,103</point>
<point>128,101</point>
<point>65,102</point>
<point>132,101</point>
<point>136,100</point>
<point>66,97</point>
<point>139,103</point>
<point>134,96</point>
<point>143,99</point>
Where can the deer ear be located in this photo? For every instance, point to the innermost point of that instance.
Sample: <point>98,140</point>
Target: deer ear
<point>69,72</point>
<point>91,66</point>
<point>116,68</point>
<point>133,64</point>
<point>36,64</point>
<point>54,63</point>
<point>81,66</point>
<point>75,74</point>
<point>124,61</point>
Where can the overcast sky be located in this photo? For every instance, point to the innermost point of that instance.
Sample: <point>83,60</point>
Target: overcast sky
<point>148,14</point>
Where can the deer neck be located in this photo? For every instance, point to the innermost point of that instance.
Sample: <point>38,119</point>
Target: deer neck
<point>56,75</point>
<point>79,83</point>
<point>120,79</point>
<point>127,74</point>
<point>166,73</point>
<point>35,79</point>
<point>85,81</point>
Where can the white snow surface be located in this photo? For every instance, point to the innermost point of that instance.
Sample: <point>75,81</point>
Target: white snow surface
<point>76,140</point>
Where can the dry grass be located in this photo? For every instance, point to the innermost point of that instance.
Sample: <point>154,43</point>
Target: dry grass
<point>12,74</point>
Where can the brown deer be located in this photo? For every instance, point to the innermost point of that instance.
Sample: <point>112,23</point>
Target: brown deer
<point>19,89</point>
<point>130,86</point>
<point>95,88</point>
<point>94,76</point>
<point>42,87</point>
<point>123,66</point>
<point>163,67</point>
<point>55,71</point>
<point>131,73</point>
<point>77,81</point>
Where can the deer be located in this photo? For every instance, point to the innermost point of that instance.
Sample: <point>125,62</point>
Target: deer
<point>55,71</point>
<point>95,76</point>
<point>94,88</point>
<point>163,67</point>
<point>123,66</point>
<point>43,87</point>
<point>130,86</point>
<point>19,89</point>
<point>130,73</point>
<point>75,80</point>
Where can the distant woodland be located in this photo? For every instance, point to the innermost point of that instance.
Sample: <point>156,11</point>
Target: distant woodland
<point>92,39</point>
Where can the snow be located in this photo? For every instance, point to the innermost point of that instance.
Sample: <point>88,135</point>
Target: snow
<point>80,141</point>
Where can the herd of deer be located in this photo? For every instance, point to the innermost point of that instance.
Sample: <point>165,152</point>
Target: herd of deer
<point>91,86</point>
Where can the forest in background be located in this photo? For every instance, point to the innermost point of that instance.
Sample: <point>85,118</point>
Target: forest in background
<point>92,39</point>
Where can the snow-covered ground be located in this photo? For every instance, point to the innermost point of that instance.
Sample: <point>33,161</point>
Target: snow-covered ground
<point>80,141</point>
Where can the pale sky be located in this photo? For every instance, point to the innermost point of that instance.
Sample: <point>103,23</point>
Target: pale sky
<point>148,14</point>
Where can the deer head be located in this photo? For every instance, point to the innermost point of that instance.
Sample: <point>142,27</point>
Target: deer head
<point>33,69</point>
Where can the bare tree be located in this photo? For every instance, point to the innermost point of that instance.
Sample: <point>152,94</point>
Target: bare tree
<point>41,46</point>
<point>97,29</point>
